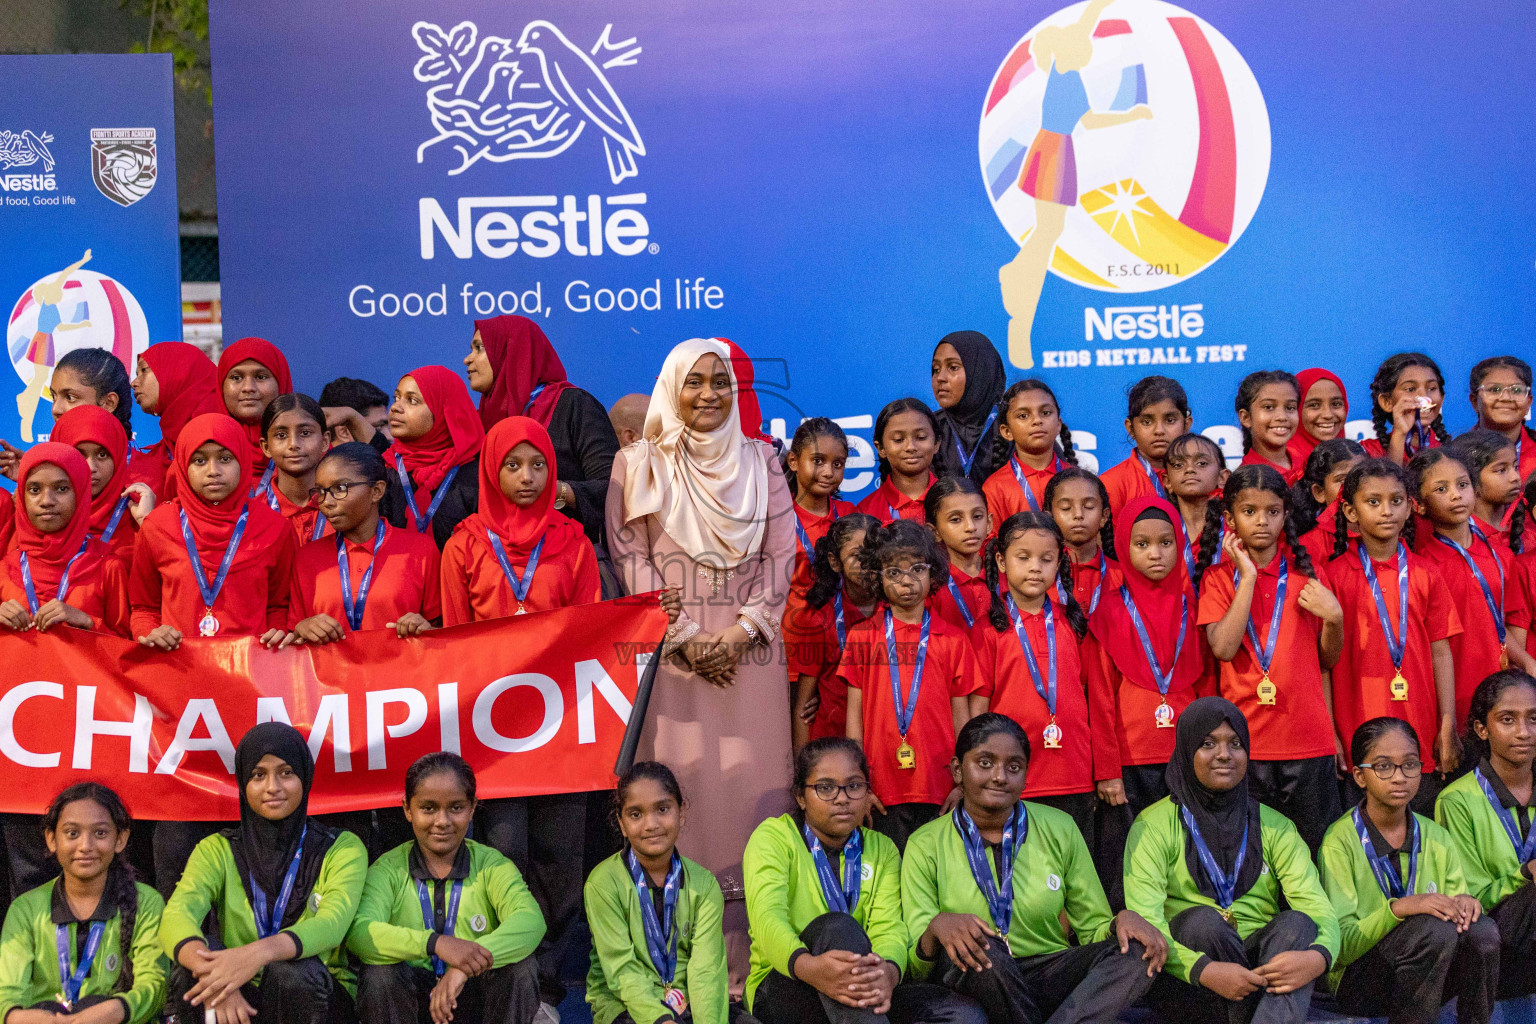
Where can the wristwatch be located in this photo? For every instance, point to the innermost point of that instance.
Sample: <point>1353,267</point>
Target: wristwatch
<point>753,636</point>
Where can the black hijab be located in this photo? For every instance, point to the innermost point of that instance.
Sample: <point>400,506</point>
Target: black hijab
<point>985,380</point>
<point>263,849</point>
<point>1221,817</point>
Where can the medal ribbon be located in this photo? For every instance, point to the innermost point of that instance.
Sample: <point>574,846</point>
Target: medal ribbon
<point>1151,474</point>
<point>1383,867</point>
<point>966,461</point>
<point>1018,474</point>
<point>843,896</point>
<point>354,607</point>
<point>1189,551</point>
<point>1163,679</point>
<point>1046,687</point>
<point>837,620</point>
<point>73,981</point>
<point>1225,883</point>
<point>1098,588</point>
<point>429,916</point>
<point>999,892</point>
<point>266,488</point>
<point>1396,642</point>
<point>1494,608</point>
<point>26,576</point>
<point>519,584</point>
<point>1525,849</point>
<point>1266,655</point>
<point>422,522</point>
<point>905,711</point>
<point>117,517</point>
<point>210,594</point>
<point>660,935</point>
<point>965,611</point>
<point>533,396</point>
<point>268,924</point>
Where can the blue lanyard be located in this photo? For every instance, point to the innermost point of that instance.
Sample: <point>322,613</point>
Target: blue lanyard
<point>1396,642</point>
<point>1266,655</point>
<point>422,522</point>
<point>26,576</point>
<point>842,896</point>
<point>837,620</point>
<point>73,981</point>
<point>354,606</point>
<point>967,460</point>
<point>805,538</point>
<point>1525,849</point>
<point>965,611</point>
<point>892,510</point>
<point>999,893</point>
<point>1383,867</point>
<point>1419,436</point>
<point>1189,551</point>
<point>1018,474</point>
<point>265,487</point>
<point>1225,884</point>
<point>117,517</point>
<point>267,925</point>
<point>1098,588</point>
<point>209,593</point>
<point>533,396</point>
<point>660,935</point>
<point>1163,679</point>
<point>319,530</point>
<point>429,916</point>
<point>904,712</point>
<point>1494,608</point>
<point>1151,474</point>
<point>1046,687</point>
<point>519,584</point>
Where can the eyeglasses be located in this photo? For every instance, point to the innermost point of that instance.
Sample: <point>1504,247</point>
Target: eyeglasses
<point>895,574</point>
<point>1386,769</point>
<point>828,790</point>
<point>337,490</point>
<point>1500,390</point>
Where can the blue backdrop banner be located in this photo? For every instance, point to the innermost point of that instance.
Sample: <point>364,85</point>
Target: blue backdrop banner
<point>88,221</point>
<point>1107,190</point>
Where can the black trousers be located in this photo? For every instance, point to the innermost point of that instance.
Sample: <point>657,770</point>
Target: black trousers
<point>1206,931</point>
<point>174,843</point>
<point>1421,965</point>
<point>781,999</point>
<point>1516,918</point>
<point>900,820</point>
<point>735,1013</point>
<point>402,994</point>
<point>1080,985</point>
<point>543,836</point>
<point>291,992</point>
<point>1304,790</point>
<point>1144,785</point>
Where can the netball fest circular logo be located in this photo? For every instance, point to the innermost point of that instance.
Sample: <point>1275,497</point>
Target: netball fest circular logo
<point>1125,147</point>
<point>65,310</point>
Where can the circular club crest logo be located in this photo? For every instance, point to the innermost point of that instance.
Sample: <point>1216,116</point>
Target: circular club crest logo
<point>1125,146</point>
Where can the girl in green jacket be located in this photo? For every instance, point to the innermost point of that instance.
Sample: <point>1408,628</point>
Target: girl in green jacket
<point>658,951</point>
<point>282,887</point>
<point>446,928</point>
<point>1207,865</point>
<point>1488,811</point>
<point>1410,940</point>
<point>984,889</point>
<point>84,948</point>
<point>824,906</point>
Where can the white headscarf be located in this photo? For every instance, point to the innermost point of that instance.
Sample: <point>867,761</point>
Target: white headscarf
<point>710,489</point>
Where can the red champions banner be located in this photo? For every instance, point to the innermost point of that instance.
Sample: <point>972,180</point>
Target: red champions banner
<point>536,703</point>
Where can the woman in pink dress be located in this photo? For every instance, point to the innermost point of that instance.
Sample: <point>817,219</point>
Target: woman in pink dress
<point>698,506</point>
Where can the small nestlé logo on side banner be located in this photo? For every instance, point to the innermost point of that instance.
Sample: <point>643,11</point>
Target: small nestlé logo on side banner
<point>123,163</point>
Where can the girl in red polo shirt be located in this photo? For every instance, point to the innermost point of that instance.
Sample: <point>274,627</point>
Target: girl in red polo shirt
<point>1034,672</point>
<point>844,594</point>
<point>814,465</point>
<point>1407,395</point>
<point>1323,412</point>
<point>1276,631</point>
<point>517,526</point>
<point>1316,495</point>
<point>1078,503</point>
<point>906,439</point>
<point>1474,566</point>
<point>391,575</point>
<point>1157,411</point>
<point>252,372</point>
<point>1034,445</point>
<point>1196,472</point>
<point>910,676</point>
<point>211,561</point>
<point>56,573</point>
<point>957,511</point>
<point>1398,622</point>
<point>117,506</point>
<point>1266,405</point>
<point>1494,462</point>
<point>295,438</point>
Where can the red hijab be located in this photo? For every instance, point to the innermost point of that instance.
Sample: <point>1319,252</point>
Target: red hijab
<point>520,529</point>
<point>93,423</point>
<point>522,359</point>
<point>454,438</point>
<point>1302,442</point>
<point>48,553</point>
<point>7,524</point>
<point>268,355</point>
<point>746,395</point>
<point>213,523</point>
<point>1158,603</point>
<point>189,386</point>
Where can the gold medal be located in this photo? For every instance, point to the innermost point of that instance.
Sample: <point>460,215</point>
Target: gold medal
<point>906,757</point>
<point>1503,657</point>
<point>676,1000</point>
<point>1052,735</point>
<point>1163,716</point>
<point>1267,690</point>
<point>1399,687</point>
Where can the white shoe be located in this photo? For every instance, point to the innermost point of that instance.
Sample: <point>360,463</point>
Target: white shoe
<point>547,1015</point>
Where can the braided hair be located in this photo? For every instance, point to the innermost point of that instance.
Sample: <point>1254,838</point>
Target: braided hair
<point>120,888</point>
<point>1385,382</point>
<point>1107,526</point>
<point>1370,469</point>
<point>1249,389</point>
<point>1014,527</point>
<point>893,409</point>
<point>1002,448</point>
<point>1210,529</point>
<point>1521,369</point>
<point>1324,458</point>
<point>806,435</point>
<point>1483,700</point>
<point>826,577</point>
<point>1267,478</point>
<point>1477,449</point>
